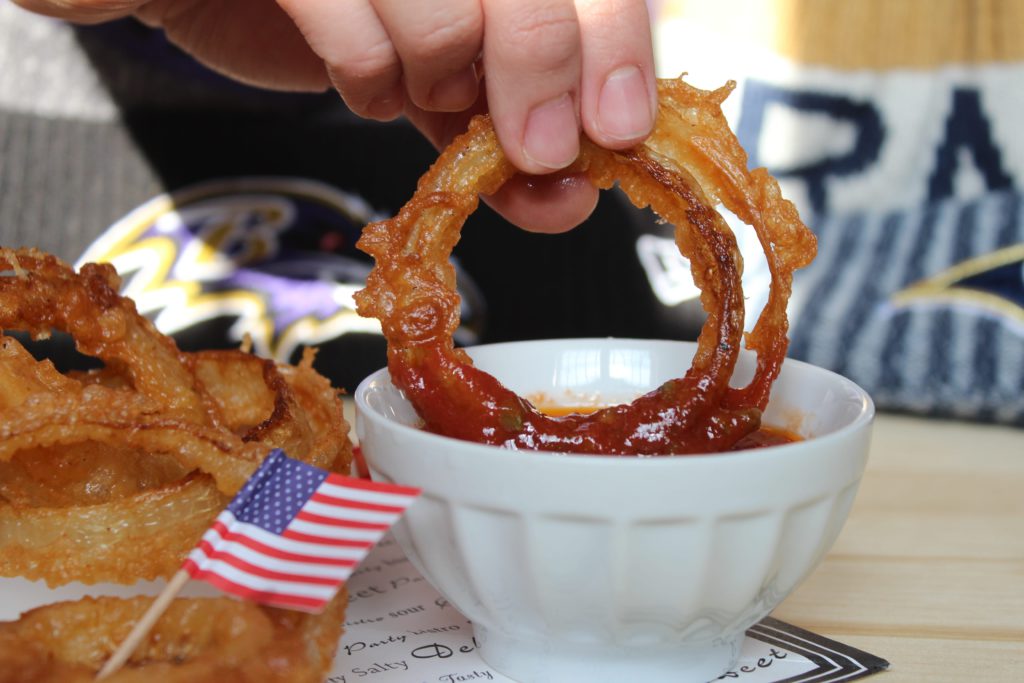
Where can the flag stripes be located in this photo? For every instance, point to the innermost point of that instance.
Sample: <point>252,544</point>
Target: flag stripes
<point>274,597</point>
<point>295,534</point>
<point>265,565</point>
<point>341,556</point>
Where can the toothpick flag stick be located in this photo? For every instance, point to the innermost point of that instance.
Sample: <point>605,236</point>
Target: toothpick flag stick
<point>144,625</point>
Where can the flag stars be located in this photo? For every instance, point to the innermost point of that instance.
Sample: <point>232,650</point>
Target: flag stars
<point>280,488</point>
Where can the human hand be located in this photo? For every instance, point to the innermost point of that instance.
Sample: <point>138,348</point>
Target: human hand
<point>551,67</point>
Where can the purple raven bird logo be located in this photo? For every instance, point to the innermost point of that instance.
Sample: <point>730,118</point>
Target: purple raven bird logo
<point>271,258</point>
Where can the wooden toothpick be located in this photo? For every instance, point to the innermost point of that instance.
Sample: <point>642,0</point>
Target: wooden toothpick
<point>144,625</point>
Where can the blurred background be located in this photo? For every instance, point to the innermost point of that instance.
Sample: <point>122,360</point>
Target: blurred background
<point>231,211</point>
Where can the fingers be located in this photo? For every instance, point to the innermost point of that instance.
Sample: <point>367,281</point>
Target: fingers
<point>361,59</point>
<point>380,52</point>
<point>550,203</point>
<point>553,63</point>
<point>618,94</point>
<point>265,48</point>
<point>438,43</point>
<point>532,54</point>
<point>552,66</point>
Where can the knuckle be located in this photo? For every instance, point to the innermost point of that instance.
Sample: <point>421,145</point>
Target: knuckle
<point>381,108</point>
<point>547,36</point>
<point>608,10</point>
<point>367,83</point>
<point>436,40</point>
<point>365,67</point>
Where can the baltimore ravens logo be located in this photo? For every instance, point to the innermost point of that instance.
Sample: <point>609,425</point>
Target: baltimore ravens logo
<point>992,283</point>
<point>271,258</point>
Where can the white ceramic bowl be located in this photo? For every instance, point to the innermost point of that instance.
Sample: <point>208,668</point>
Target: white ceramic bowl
<point>597,569</point>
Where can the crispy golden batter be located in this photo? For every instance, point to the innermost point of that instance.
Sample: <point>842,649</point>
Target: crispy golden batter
<point>691,162</point>
<point>114,474</point>
<point>198,640</point>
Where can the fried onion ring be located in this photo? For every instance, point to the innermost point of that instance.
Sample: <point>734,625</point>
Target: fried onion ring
<point>198,640</point>
<point>691,162</point>
<point>45,294</point>
<point>96,465</point>
<point>143,536</point>
<point>164,401</point>
<point>114,474</point>
<point>50,533</point>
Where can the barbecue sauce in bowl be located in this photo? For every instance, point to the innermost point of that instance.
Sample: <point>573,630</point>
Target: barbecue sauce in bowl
<point>764,437</point>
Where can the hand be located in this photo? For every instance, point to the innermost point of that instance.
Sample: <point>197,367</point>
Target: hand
<point>547,67</point>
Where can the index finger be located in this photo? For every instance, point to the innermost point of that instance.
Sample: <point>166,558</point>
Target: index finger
<point>532,66</point>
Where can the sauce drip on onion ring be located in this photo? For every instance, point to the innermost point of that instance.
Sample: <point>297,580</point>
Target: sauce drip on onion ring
<point>691,162</point>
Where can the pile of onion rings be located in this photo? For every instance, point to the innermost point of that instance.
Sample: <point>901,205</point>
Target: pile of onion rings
<point>691,162</point>
<point>112,475</point>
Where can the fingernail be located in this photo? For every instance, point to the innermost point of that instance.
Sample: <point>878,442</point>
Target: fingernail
<point>552,138</point>
<point>387,106</point>
<point>455,92</point>
<point>624,107</point>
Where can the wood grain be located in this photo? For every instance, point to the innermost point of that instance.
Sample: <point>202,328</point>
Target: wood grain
<point>929,570</point>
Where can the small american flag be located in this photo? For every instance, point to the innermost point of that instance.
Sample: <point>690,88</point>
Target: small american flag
<point>295,533</point>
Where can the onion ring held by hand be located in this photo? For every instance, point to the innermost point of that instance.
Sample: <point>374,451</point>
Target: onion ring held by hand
<point>690,162</point>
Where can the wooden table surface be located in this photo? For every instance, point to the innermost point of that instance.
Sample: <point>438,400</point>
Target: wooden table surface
<point>928,572</point>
